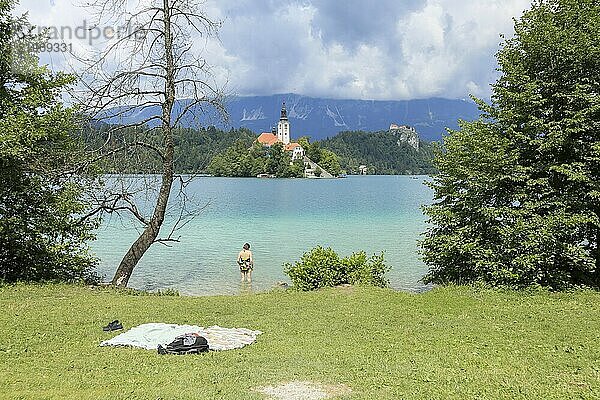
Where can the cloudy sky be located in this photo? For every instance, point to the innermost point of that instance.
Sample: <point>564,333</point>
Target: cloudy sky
<point>360,49</point>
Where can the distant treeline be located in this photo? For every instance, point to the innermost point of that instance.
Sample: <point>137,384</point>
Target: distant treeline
<point>196,149</point>
<point>381,152</point>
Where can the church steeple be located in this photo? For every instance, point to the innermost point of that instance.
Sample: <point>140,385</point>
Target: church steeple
<point>283,127</point>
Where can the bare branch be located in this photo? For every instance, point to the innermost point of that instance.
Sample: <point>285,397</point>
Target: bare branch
<point>148,70</point>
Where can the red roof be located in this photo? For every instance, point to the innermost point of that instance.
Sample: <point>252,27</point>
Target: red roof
<point>267,139</point>
<point>291,146</point>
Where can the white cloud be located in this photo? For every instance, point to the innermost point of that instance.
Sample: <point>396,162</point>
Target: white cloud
<point>387,49</point>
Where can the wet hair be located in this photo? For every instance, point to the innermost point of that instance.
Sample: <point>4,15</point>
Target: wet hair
<point>246,246</point>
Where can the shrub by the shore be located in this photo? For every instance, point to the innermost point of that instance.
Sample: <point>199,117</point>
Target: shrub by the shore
<point>323,267</point>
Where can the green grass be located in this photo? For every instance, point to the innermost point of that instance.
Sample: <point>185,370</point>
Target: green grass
<point>450,343</point>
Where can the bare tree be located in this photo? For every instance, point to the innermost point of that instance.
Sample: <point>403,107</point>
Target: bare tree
<point>150,66</point>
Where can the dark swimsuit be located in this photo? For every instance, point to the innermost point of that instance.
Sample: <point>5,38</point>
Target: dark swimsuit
<point>245,265</point>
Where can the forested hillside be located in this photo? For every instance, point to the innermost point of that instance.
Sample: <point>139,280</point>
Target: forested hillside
<point>382,152</point>
<point>194,149</point>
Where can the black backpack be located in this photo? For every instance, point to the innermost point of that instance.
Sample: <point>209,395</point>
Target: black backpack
<point>190,343</point>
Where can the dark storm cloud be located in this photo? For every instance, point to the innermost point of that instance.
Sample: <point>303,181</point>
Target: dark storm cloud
<point>368,49</point>
<point>354,22</point>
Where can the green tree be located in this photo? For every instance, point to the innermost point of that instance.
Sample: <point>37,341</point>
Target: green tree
<point>235,161</point>
<point>279,162</point>
<point>330,162</point>
<point>275,160</point>
<point>304,141</point>
<point>42,233</point>
<point>327,159</point>
<point>258,157</point>
<point>296,169</point>
<point>313,151</point>
<point>518,194</point>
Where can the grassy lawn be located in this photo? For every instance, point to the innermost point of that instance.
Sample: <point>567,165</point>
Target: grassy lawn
<point>450,343</point>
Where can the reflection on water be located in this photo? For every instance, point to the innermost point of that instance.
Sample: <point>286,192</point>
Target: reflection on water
<point>246,288</point>
<point>281,219</point>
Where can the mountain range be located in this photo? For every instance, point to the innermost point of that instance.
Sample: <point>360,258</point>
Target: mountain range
<point>321,118</point>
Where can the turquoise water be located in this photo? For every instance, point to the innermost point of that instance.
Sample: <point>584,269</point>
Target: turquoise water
<point>281,219</point>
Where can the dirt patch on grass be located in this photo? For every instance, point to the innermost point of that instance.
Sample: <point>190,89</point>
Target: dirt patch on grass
<point>298,390</point>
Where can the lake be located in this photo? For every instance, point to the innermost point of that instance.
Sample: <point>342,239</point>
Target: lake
<point>281,219</point>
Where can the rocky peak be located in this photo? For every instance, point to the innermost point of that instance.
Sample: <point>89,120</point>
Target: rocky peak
<point>406,134</point>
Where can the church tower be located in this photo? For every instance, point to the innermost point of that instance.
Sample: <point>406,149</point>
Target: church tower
<point>283,127</point>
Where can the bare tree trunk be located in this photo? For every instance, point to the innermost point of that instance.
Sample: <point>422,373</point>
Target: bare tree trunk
<point>149,67</point>
<point>149,235</point>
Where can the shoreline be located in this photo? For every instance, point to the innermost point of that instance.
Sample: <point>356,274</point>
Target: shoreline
<point>276,287</point>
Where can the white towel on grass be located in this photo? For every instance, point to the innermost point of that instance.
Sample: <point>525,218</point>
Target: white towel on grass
<point>149,336</point>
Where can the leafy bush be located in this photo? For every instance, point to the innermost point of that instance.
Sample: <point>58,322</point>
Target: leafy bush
<point>43,236</point>
<point>323,267</point>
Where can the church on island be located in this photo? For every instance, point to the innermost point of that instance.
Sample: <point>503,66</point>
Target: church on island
<point>282,135</point>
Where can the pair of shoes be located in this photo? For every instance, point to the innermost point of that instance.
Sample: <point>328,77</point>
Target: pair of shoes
<point>113,326</point>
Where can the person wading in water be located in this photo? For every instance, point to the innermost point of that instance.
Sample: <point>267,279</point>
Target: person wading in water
<point>246,263</point>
